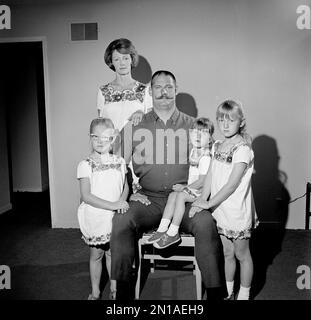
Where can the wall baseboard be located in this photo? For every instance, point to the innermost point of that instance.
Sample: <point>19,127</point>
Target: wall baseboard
<point>29,189</point>
<point>5,208</point>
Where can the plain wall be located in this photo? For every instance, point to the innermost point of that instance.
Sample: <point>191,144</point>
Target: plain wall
<point>246,50</point>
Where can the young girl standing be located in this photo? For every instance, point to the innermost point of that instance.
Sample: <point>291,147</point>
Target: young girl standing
<point>228,183</point>
<point>201,137</point>
<point>103,189</point>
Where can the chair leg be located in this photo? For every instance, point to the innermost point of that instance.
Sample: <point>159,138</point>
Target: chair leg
<point>152,263</point>
<point>198,280</point>
<point>137,287</point>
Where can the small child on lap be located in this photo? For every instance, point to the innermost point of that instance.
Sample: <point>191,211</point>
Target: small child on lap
<point>168,231</point>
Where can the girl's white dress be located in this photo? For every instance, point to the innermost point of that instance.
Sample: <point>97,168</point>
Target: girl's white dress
<point>120,105</point>
<point>236,216</point>
<point>107,182</point>
<point>199,163</point>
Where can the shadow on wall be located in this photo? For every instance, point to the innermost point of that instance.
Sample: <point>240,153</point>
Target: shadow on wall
<point>142,72</point>
<point>186,103</point>
<point>271,200</point>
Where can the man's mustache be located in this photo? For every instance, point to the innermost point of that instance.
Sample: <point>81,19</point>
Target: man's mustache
<point>164,96</point>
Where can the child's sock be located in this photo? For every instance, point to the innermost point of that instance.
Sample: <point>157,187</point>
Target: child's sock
<point>164,223</point>
<point>230,285</point>
<point>243,293</point>
<point>172,230</point>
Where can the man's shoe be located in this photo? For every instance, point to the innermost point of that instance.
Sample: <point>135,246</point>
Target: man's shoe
<point>156,236</point>
<point>166,241</point>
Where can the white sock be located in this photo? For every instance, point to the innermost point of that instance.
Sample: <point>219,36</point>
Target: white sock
<point>172,230</point>
<point>243,293</point>
<point>164,223</point>
<point>230,285</point>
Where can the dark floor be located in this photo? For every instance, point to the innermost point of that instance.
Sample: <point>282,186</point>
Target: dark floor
<point>50,263</point>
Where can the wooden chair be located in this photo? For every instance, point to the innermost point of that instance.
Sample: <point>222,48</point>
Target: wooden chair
<point>187,240</point>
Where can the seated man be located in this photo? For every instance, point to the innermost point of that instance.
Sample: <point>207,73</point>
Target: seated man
<point>160,162</point>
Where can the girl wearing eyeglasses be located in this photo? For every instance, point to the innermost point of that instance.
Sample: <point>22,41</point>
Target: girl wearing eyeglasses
<point>104,190</point>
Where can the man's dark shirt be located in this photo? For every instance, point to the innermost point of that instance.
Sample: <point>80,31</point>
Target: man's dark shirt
<point>160,151</point>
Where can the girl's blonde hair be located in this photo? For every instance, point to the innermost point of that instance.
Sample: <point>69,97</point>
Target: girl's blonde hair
<point>101,122</point>
<point>230,109</point>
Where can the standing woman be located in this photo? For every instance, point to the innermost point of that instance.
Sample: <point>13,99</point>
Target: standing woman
<point>124,98</point>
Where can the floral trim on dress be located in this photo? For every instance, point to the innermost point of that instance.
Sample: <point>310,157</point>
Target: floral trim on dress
<point>194,161</point>
<point>95,241</point>
<point>112,95</point>
<point>115,164</point>
<point>228,155</point>
<point>243,234</point>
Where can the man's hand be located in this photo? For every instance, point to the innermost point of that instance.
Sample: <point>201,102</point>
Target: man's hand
<point>178,187</point>
<point>141,198</point>
<point>136,117</point>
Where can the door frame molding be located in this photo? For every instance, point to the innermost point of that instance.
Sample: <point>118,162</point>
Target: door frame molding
<point>43,40</point>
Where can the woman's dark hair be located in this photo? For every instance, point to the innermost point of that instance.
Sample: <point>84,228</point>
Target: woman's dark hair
<point>123,46</point>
